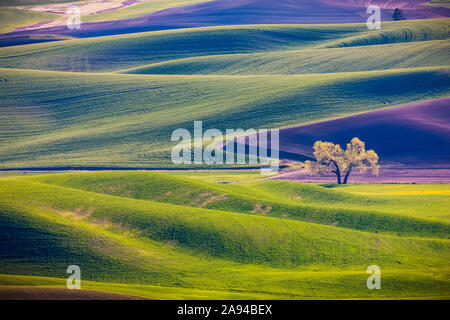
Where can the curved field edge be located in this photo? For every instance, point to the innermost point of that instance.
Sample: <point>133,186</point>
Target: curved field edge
<point>330,60</point>
<point>393,32</point>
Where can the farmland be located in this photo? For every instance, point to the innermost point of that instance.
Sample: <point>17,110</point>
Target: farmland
<point>213,244</point>
<point>103,103</point>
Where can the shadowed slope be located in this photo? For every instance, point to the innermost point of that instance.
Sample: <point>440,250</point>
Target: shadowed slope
<point>347,59</point>
<point>127,51</point>
<point>416,134</point>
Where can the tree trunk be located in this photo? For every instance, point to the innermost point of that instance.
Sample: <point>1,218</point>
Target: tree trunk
<point>337,172</point>
<point>347,174</point>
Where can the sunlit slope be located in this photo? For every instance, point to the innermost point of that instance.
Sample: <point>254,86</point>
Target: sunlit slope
<point>127,120</point>
<point>34,245</point>
<point>346,59</point>
<point>271,284</point>
<point>239,237</point>
<point>419,201</point>
<point>161,250</point>
<point>113,53</point>
<point>424,216</point>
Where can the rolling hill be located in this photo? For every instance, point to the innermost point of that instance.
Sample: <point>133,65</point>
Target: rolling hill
<point>132,116</point>
<point>229,12</point>
<point>166,249</point>
<point>126,120</point>
<point>134,50</point>
<point>232,198</point>
<point>280,76</point>
<point>110,103</point>
<point>345,59</point>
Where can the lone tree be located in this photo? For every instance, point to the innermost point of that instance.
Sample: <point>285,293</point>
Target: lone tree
<point>398,15</point>
<point>331,157</point>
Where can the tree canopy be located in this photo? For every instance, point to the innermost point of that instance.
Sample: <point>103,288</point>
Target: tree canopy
<point>331,157</point>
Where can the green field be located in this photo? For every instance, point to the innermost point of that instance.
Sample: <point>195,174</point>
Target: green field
<point>63,117</point>
<point>114,53</point>
<point>127,120</point>
<point>346,59</point>
<point>12,17</point>
<point>84,109</point>
<point>114,101</point>
<point>166,236</point>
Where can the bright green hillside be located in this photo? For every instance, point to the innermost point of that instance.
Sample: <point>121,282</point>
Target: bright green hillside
<point>183,235</point>
<point>401,214</point>
<point>171,247</point>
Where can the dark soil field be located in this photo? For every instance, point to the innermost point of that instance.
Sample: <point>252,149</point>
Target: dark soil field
<point>412,142</point>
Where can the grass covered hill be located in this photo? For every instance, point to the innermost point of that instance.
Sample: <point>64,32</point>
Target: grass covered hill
<point>127,120</point>
<point>341,59</point>
<point>115,100</point>
<point>209,245</point>
<point>112,53</point>
<point>163,14</point>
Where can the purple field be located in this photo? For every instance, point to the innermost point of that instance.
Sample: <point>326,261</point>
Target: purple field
<point>387,175</point>
<point>412,142</point>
